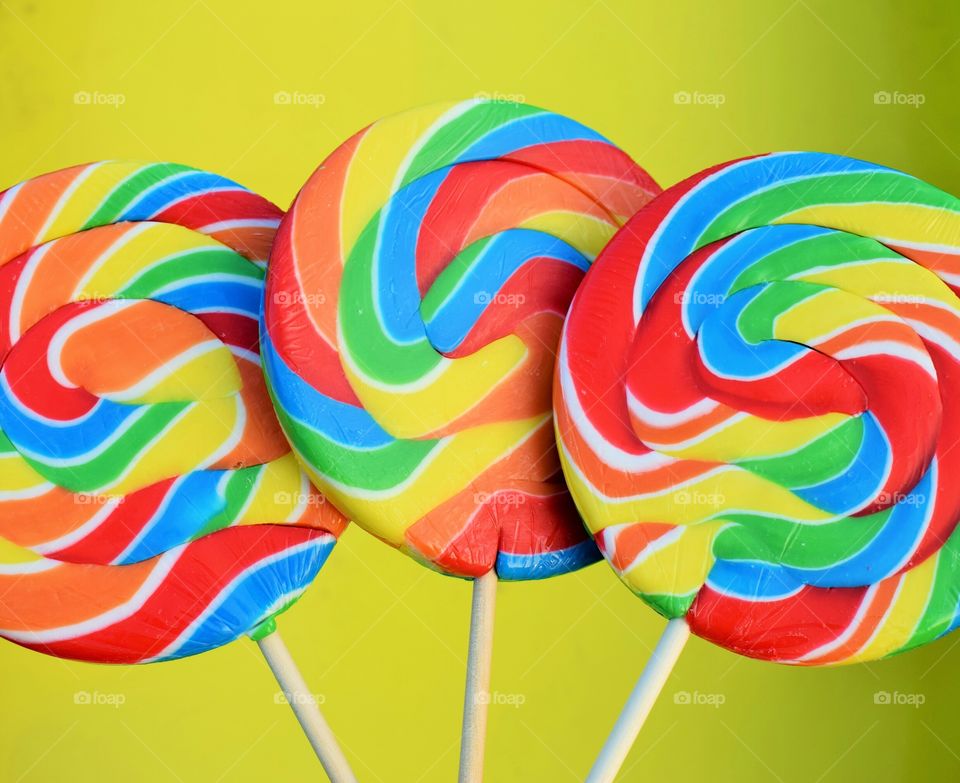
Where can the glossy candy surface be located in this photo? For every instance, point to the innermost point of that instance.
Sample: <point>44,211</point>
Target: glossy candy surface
<point>140,459</point>
<point>414,302</point>
<point>758,407</point>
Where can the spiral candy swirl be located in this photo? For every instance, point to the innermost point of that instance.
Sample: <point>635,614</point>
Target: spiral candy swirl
<point>756,407</point>
<point>413,307</point>
<point>138,447</point>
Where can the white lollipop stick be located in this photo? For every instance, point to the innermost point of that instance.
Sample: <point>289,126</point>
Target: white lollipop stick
<point>641,701</point>
<point>477,696</point>
<point>304,705</point>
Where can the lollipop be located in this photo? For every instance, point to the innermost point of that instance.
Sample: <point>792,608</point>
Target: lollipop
<point>414,302</point>
<point>140,461</point>
<point>753,412</point>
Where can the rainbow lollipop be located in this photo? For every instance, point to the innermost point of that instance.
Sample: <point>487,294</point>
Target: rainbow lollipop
<point>149,506</point>
<point>414,302</point>
<point>753,403</point>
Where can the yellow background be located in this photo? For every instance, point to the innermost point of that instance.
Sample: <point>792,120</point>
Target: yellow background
<point>381,638</point>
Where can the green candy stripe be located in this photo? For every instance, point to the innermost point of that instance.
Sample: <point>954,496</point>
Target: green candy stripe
<point>370,469</point>
<point>795,544</point>
<point>835,249</point>
<point>820,460</point>
<point>757,320</point>
<point>130,190</point>
<point>850,188</point>
<point>448,281</point>
<point>364,337</point>
<point>451,140</point>
<point>109,465</point>
<point>186,267</point>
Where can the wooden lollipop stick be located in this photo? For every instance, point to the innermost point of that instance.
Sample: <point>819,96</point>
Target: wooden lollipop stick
<point>641,701</point>
<point>304,705</point>
<point>477,696</point>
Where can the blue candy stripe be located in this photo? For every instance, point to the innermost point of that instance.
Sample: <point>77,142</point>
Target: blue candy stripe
<point>752,581</point>
<point>396,292</point>
<point>724,351</point>
<point>251,598</point>
<point>237,295</point>
<point>714,281</point>
<point>172,189</point>
<point>859,483</point>
<point>511,566</point>
<point>885,553</point>
<point>64,440</point>
<point>191,504</point>
<point>346,425</point>
<point>694,214</point>
<point>529,131</point>
<point>493,268</point>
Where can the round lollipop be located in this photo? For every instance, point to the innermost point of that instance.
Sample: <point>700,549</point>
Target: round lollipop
<point>753,401</point>
<point>414,302</point>
<point>149,505</point>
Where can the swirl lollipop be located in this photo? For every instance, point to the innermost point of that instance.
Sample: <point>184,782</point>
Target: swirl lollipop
<point>413,306</point>
<point>762,445</point>
<point>140,461</point>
